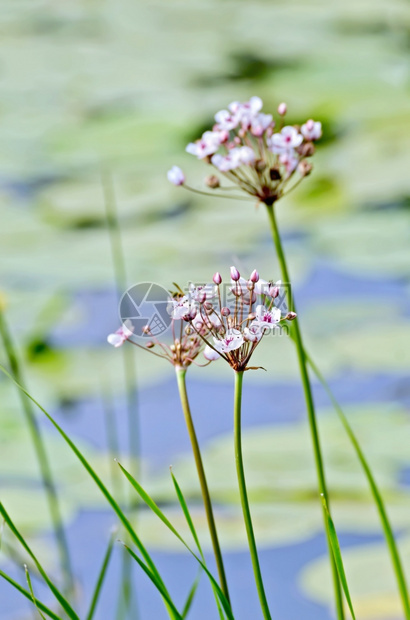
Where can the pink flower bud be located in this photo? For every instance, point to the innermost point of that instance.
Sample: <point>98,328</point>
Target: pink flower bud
<point>225,311</point>
<point>201,297</point>
<point>235,275</point>
<point>282,109</point>
<point>291,316</point>
<point>254,276</point>
<point>273,291</point>
<point>217,278</point>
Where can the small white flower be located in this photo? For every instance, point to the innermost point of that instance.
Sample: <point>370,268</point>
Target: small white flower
<point>260,123</point>
<point>179,308</point>
<point>197,292</point>
<point>226,120</point>
<point>176,176</point>
<point>312,130</point>
<point>266,319</point>
<point>245,155</point>
<point>233,340</point>
<point>210,354</point>
<point>261,287</point>
<point>252,334</point>
<point>121,335</point>
<point>208,144</point>
<point>287,140</point>
<point>227,162</point>
<point>290,161</point>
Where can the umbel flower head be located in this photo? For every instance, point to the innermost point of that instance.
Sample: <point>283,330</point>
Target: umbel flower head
<point>252,150</point>
<point>231,333</point>
<point>186,343</point>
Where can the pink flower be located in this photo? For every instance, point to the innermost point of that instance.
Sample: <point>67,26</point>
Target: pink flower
<point>210,354</point>
<point>208,144</point>
<point>266,319</point>
<point>226,120</point>
<point>180,308</point>
<point>176,176</point>
<point>287,140</point>
<point>121,335</point>
<point>233,340</point>
<point>252,334</point>
<point>290,161</point>
<point>260,123</point>
<point>312,130</point>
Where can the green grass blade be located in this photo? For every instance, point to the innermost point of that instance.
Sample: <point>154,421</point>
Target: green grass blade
<point>191,594</point>
<point>185,510</point>
<point>28,595</point>
<point>42,458</point>
<point>158,584</point>
<point>97,480</point>
<point>153,506</point>
<point>334,541</point>
<point>30,587</point>
<point>387,529</point>
<point>101,577</point>
<point>60,598</point>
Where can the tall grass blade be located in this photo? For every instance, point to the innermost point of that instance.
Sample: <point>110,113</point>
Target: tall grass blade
<point>124,520</point>
<point>42,458</point>
<point>60,598</point>
<point>30,587</point>
<point>153,506</point>
<point>334,541</point>
<point>185,510</point>
<point>158,584</point>
<point>49,612</point>
<point>191,594</point>
<point>387,529</point>
<point>101,577</point>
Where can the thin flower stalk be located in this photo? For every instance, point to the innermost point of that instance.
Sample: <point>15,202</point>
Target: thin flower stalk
<point>244,496</point>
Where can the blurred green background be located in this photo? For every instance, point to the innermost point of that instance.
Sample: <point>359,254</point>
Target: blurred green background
<point>93,86</point>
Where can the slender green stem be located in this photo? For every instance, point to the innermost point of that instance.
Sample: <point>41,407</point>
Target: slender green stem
<point>387,528</point>
<point>309,405</point>
<point>42,458</point>
<point>244,495</point>
<point>180,373</point>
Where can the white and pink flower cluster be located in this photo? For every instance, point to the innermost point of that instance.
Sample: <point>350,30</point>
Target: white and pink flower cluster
<point>232,334</point>
<point>254,151</point>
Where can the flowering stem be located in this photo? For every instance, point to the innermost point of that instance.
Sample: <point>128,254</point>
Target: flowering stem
<point>244,495</point>
<point>44,465</point>
<point>180,373</point>
<point>309,405</point>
